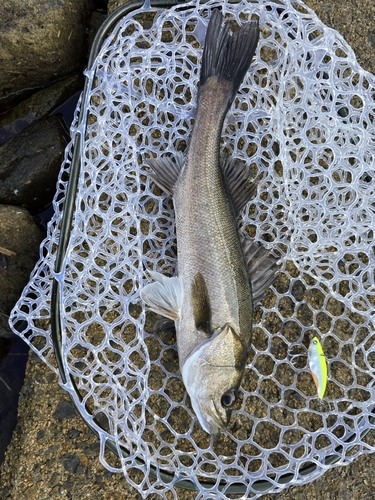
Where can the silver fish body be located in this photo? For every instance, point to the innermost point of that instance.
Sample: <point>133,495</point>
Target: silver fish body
<point>211,249</point>
<point>211,300</point>
<point>206,224</point>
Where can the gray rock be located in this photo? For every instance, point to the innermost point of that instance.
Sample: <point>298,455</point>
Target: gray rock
<point>38,106</point>
<point>30,163</point>
<point>64,410</point>
<point>40,41</point>
<point>40,434</point>
<point>19,251</point>
<point>70,462</point>
<point>74,433</point>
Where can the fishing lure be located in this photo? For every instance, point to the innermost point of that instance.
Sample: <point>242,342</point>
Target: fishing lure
<point>318,366</point>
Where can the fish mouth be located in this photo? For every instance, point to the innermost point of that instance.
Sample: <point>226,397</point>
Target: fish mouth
<point>210,419</point>
<point>218,422</point>
<point>223,423</point>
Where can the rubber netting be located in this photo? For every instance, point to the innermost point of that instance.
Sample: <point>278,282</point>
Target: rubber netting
<point>304,121</point>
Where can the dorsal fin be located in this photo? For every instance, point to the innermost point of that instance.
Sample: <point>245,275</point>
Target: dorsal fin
<point>238,184</point>
<point>261,266</point>
<point>200,302</point>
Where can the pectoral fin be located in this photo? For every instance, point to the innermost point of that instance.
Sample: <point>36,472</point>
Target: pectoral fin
<point>165,171</point>
<point>201,304</point>
<point>261,266</point>
<point>237,180</point>
<point>164,296</point>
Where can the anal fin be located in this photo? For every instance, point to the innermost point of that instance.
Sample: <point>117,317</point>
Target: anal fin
<point>239,186</point>
<point>261,265</point>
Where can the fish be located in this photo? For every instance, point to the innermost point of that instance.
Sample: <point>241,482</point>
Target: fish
<point>221,275</point>
<point>318,366</point>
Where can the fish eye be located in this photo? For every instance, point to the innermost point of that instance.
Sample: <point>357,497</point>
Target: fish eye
<point>315,342</point>
<point>228,398</point>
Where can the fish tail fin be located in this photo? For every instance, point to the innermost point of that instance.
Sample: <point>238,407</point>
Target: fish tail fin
<point>227,56</point>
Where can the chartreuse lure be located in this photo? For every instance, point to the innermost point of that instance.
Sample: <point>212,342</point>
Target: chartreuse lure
<point>318,366</point>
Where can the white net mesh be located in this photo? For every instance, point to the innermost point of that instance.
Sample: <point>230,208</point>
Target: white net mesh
<point>304,120</point>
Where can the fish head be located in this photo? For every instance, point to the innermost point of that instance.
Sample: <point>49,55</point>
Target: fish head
<point>212,375</point>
